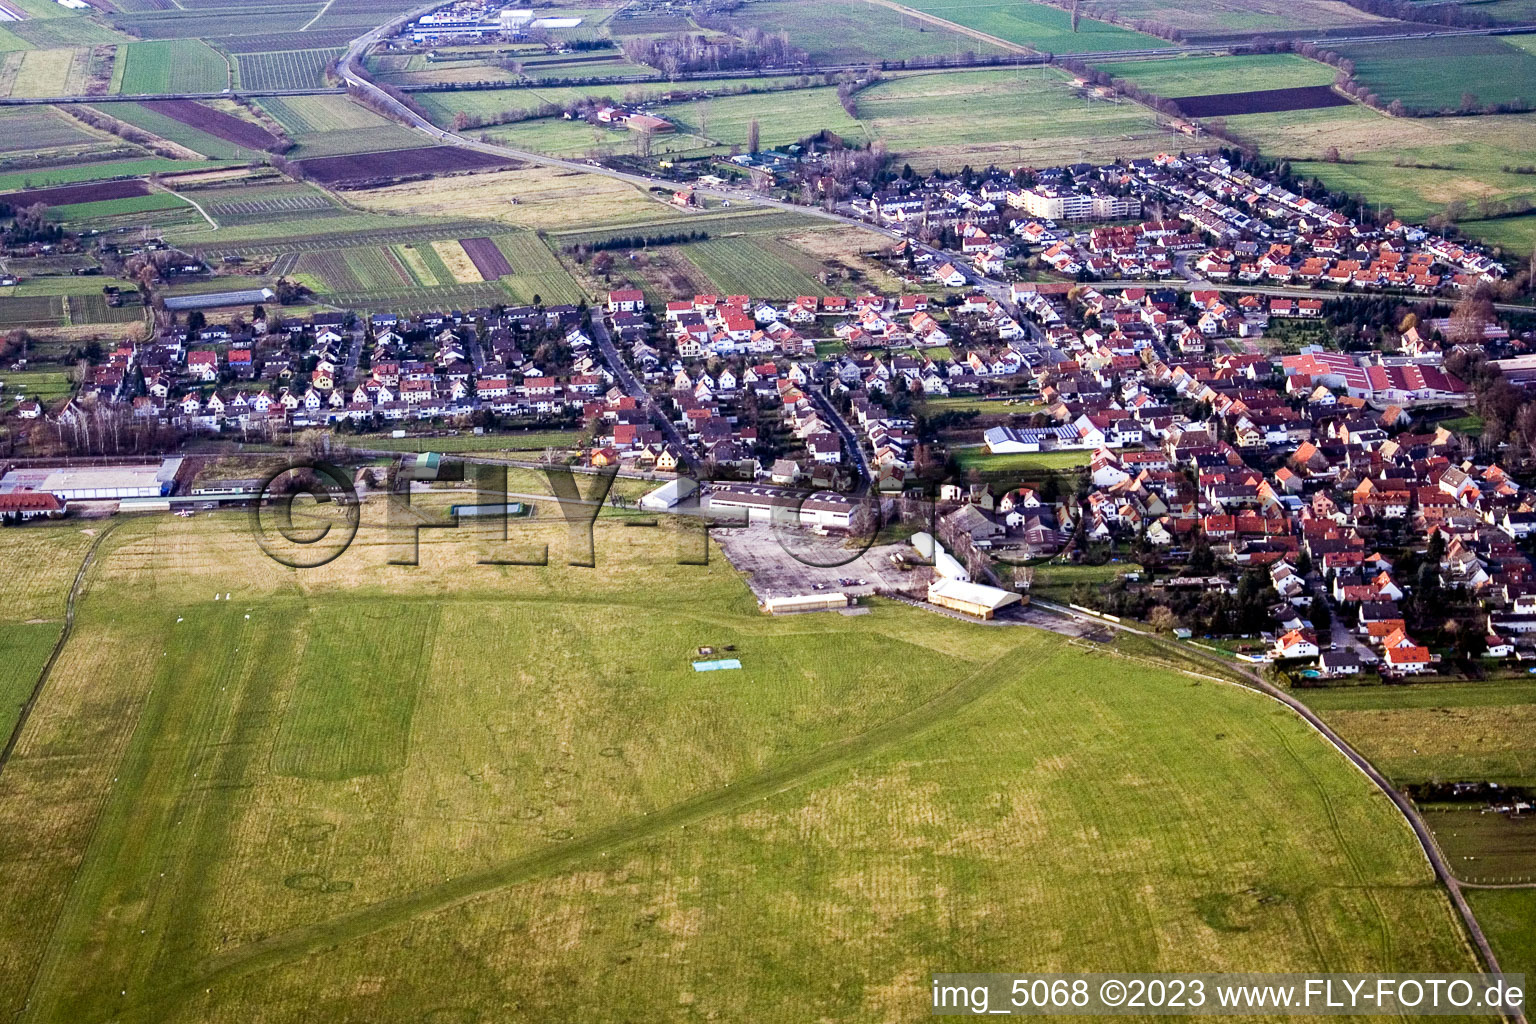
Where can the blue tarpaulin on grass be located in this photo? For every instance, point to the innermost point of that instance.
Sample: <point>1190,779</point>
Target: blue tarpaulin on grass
<point>715,666</point>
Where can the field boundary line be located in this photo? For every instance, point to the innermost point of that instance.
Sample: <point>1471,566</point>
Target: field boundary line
<point>68,628</point>
<point>194,204</point>
<point>306,939</point>
<point>955,27</point>
<point>318,15</point>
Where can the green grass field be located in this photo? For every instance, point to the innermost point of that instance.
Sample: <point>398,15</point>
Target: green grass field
<point>747,266</point>
<point>1207,76</point>
<point>1506,917</point>
<point>532,441</point>
<point>173,66</point>
<point>1435,74</point>
<point>40,569</point>
<point>1472,731</point>
<point>847,33</point>
<point>1021,464</point>
<point>1416,166</point>
<point>43,177</point>
<point>382,787</point>
<point>1028,116</point>
<point>1048,29</point>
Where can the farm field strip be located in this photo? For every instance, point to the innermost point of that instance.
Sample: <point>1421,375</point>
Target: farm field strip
<point>489,260</point>
<point>457,261</point>
<point>171,66</point>
<point>63,195</point>
<point>296,203</point>
<point>328,242</point>
<point>741,266</point>
<point>429,159</point>
<point>1263,101</point>
<point>285,69</point>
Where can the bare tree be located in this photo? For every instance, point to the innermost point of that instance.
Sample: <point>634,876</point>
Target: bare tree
<point>754,132</point>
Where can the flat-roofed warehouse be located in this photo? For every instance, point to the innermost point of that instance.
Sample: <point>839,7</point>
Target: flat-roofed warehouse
<point>787,508</point>
<point>970,598</point>
<point>95,483</point>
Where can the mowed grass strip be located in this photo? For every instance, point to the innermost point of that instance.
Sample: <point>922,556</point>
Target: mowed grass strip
<point>346,720</point>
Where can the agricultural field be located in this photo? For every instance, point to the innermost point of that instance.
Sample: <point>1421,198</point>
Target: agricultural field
<point>1416,166</point>
<point>36,582</point>
<point>1438,731</point>
<point>172,66</point>
<point>45,386</point>
<point>1021,466</point>
<point>1485,847</point>
<point>1506,916</point>
<point>1028,116</point>
<point>853,32</point>
<point>435,273</point>
<point>45,177</point>
<point>206,143</point>
<point>116,209</point>
<point>348,808</point>
<point>531,197</point>
<point>1461,73</point>
<point>356,167</point>
<point>55,72</point>
<point>44,130</point>
<point>1023,116</point>
<point>287,69</point>
<point>63,309</point>
<point>262,201</point>
<point>1209,76</point>
<point>483,444</point>
<point>1037,26</point>
<point>335,126</point>
<point>63,195</point>
<point>756,267</point>
<point>1213,20</point>
<point>1264,101</point>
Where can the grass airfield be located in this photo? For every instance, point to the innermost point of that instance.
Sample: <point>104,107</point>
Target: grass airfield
<point>459,792</point>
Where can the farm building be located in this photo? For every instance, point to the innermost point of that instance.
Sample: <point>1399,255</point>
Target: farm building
<point>787,508</point>
<point>805,603</point>
<point>647,123</point>
<point>970,598</point>
<point>669,495</point>
<point>20,506</point>
<point>95,483</point>
<point>944,564</point>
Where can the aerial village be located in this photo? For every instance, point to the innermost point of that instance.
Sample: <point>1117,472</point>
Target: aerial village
<point>1178,351</point>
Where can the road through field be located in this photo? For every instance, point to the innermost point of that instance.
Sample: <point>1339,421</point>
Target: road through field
<point>290,945</point>
<point>1420,828</point>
